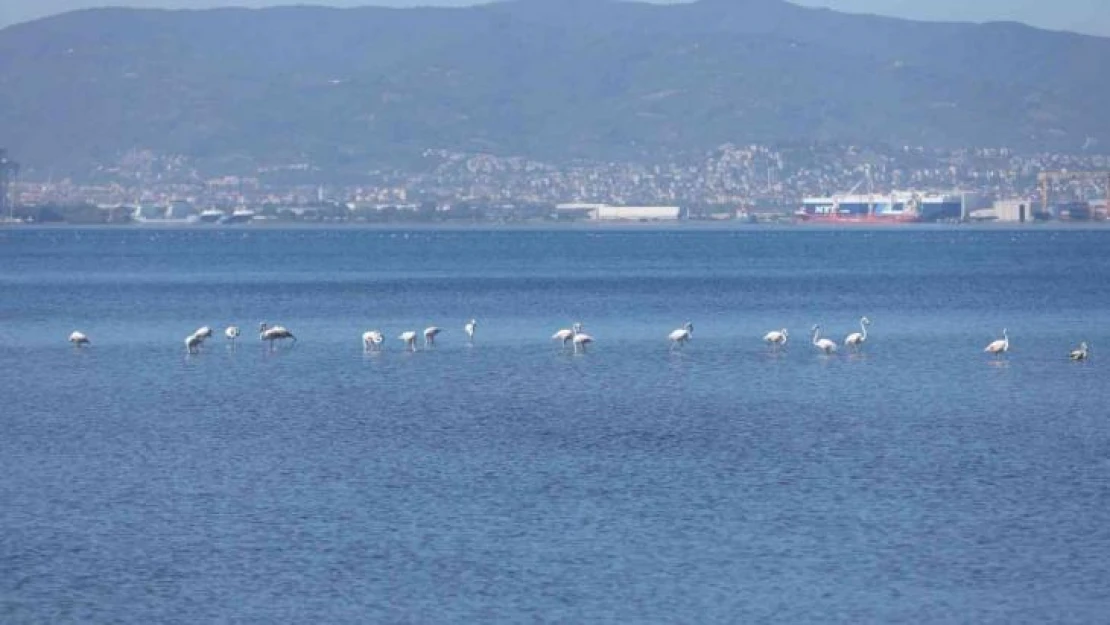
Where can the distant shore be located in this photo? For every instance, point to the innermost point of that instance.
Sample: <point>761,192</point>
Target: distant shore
<point>723,226</point>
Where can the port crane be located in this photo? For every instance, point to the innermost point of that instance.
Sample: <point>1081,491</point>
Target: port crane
<point>1048,179</point>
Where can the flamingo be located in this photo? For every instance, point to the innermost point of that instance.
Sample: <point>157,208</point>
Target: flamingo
<point>1000,346</point>
<point>825,345</point>
<point>566,335</point>
<point>275,333</point>
<point>264,328</point>
<point>193,342</point>
<point>581,340</point>
<point>79,339</point>
<point>372,340</point>
<point>1080,354</point>
<point>856,339</point>
<point>469,328</point>
<point>430,335</point>
<point>409,337</point>
<point>232,333</point>
<point>681,335</point>
<point>203,333</point>
<point>777,337</point>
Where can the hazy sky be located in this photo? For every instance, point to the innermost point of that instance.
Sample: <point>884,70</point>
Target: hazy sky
<point>1090,16</point>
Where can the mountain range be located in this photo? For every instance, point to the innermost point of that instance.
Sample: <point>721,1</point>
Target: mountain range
<point>548,79</point>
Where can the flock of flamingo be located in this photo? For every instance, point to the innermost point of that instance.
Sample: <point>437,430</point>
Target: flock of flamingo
<point>373,340</point>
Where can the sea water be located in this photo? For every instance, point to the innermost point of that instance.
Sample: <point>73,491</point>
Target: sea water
<point>509,479</point>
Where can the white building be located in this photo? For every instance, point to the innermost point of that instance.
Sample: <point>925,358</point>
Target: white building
<point>605,212</point>
<point>639,213</point>
<point>1019,211</point>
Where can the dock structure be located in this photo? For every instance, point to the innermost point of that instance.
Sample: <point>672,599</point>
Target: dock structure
<point>8,171</point>
<point>1048,180</point>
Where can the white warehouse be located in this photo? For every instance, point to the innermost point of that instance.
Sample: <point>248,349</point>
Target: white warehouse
<point>605,212</point>
<point>638,213</point>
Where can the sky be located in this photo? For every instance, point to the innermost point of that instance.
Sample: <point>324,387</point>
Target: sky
<point>1088,16</point>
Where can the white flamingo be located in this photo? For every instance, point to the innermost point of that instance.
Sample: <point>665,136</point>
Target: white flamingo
<point>193,342</point>
<point>275,333</point>
<point>827,346</point>
<point>372,340</point>
<point>79,339</point>
<point>777,338</point>
<point>203,333</point>
<point>232,333</point>
<point>566,335</point>
<point>265,327</point>
<point>999,347</point>
<point>469,328</point>
<point>857,339</point>
<point>1080,354</point>
<point>681,335</point>
<point>430,335</point>
<point>580,341</point>
<point>409,337</point>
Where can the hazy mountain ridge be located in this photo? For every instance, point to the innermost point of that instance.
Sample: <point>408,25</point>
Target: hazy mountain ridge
<point>543,78</point>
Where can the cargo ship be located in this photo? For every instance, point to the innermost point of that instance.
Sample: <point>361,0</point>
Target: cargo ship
<point>893,208</point>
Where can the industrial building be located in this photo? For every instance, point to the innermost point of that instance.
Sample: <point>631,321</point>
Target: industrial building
<point>1018,211</point>
<point>606,212</point>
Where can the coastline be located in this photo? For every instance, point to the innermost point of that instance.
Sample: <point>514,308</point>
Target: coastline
<point>690,226</point>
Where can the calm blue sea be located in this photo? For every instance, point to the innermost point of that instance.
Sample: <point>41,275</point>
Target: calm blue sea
<point>510,481</point>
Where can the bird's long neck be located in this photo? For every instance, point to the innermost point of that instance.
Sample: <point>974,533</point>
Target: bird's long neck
<point>863,329</point>
<point>816,334</point>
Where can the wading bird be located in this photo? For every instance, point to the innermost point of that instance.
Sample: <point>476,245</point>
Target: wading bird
<point>1080,354</point>
<point>275,333</point>
<point>566,335</point>
<point>372,340</point>
<point>409,337</point>
<point>776,338</point>
<point>681,335</point>
<point>857,339</point>
<point>1000,346</point>
<point>193,342</point>
<point>581,340</point>
<point>827,346</point>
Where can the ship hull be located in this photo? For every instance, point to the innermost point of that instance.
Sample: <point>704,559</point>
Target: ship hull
<point>856,219</point>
